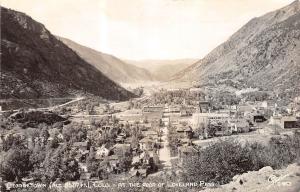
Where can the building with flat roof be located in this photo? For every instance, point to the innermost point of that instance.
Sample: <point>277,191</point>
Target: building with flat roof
<point>206,118</point>
<point>151,109</point>
<point>285,122</point>
<point>289,122</point>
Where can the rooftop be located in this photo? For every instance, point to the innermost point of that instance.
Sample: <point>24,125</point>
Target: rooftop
<point>80,144</point>
<point>289,118</point>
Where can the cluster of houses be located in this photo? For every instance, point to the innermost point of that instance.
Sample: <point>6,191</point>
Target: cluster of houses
<point>243,117</point>
<point>142,153</point>
<point>236,119</point>
<point>109,155</point>
<point>184,119</point>
<point>105,154</point>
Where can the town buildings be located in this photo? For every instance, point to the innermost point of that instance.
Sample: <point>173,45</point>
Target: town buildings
<point>203,119</point>
<point>285,122</point>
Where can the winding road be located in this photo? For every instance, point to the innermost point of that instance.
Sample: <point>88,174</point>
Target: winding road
<point>54,107</point>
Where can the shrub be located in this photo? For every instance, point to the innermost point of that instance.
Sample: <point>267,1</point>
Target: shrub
<point>224,159</point>
<point>218,162</point>
<point>15,164</point>
<point>281,151</point>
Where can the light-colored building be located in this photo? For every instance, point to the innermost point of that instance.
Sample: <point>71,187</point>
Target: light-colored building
<point>275,120</point>
<point>285,122</point>
<point>146,143</point>
<point>153,116</point>
<point>101,152</point>
<point>289,122</point>
<point>80,146</point>
<point>83,167</point>
<point>196,90</point>
<point>238,125</point>
<point>151,109</point>
<point>130,115</point>
<point>150,133</point>
<point>297,99</point>
<point>206,118</point>
<point>173,109</point>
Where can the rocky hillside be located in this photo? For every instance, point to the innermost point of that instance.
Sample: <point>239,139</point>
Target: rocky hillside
<point>264,180</point>
<point>264,53</point>
<point>111,66</point>
<point>35,64</point>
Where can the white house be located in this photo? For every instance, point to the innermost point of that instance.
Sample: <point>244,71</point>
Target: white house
<point>102,152</point>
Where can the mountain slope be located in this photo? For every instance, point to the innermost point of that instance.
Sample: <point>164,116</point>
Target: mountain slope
<point>264,53</point>
<point>35,64</point>
<point>111,66</point>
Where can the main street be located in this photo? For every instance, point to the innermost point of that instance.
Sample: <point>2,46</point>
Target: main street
<point>164,152</point>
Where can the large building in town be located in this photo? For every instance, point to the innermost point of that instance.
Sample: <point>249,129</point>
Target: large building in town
<point>206,118</point>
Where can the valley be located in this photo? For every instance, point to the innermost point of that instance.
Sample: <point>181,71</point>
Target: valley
<point>73,118</point>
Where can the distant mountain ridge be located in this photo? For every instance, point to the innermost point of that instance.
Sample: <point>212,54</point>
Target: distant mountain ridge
<point>264,53</point>
<point>163,70</point>
<point>111,66</point>
<point>35,64</point>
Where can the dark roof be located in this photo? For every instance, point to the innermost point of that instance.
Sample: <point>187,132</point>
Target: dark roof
<point>180,129</point>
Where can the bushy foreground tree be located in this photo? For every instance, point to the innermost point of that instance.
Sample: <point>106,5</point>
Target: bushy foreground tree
<point>221,161</point>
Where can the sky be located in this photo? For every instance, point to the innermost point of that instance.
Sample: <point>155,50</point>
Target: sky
<point>146,29</point>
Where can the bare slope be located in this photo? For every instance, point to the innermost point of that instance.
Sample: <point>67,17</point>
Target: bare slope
<point>264,53</point>
<point>111,66</point>
<point>35,64</point>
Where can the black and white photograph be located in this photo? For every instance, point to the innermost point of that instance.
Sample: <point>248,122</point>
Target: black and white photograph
<point>150,96</point>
